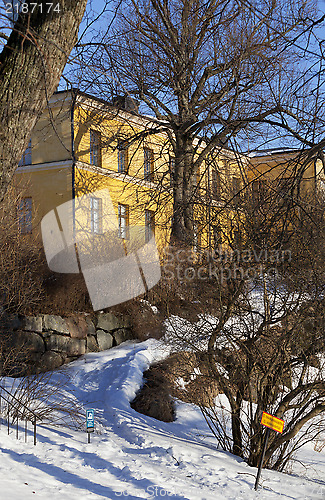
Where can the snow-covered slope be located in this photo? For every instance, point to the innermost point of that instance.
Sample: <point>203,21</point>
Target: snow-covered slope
<point>133,456</point>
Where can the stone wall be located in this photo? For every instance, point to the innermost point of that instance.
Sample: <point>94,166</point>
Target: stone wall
<point>50,341</point>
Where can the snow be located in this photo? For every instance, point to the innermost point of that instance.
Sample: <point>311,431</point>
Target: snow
<point>184,335</point>
<point>136,457</point>
<point>154,309</point>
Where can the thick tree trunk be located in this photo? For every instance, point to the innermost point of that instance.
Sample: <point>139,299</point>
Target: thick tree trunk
<point>182,233</point>
<point>31,64</point>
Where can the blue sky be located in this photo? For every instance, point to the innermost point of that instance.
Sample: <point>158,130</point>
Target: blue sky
<point>102,12</point>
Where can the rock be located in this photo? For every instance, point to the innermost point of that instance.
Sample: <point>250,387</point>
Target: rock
<point>50,360</point>
<point>25,342</point>
<point>105,340</point>
<point>122,335</point>
<point>17,370</point>
<point>33,323</point>
<point>35,342</point>
<point>109,322</point>
<point>91,345</point>
<point>76,347</point>
<point>33,358</point>
<point>91,329</point>
<point>77,327</point>
<point>57,343</point>
<point>66,345</point>
<point>55,323</point>
<point>70,359</point>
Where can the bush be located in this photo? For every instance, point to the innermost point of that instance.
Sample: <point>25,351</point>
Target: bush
<point>21,260</point>
<point>154,398</point>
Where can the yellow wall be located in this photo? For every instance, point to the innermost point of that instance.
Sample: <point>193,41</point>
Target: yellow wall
<point>51,137</point>
<point>132,190</point>
<point>284,165</point>
<point>127,189</point>
<point>47,188</point>
<point>112,128</point>
<point>51,185</point>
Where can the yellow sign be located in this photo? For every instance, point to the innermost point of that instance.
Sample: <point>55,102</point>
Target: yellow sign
<point>274,423</point>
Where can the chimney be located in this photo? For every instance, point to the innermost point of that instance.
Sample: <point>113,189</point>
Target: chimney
<point>127,103</point>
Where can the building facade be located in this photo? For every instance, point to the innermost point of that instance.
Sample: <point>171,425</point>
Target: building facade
<point>82,144</point>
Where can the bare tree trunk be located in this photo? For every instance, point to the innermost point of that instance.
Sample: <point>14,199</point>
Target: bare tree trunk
<point>183,200</point>
<point>31,64</point>
<point>236,428</point>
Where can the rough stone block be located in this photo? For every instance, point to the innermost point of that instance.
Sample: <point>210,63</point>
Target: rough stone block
<point>109,322</point>
<point>66,345</point>
<point>77,327</point>
<point>91,345</point>
<point>55,323</point>
<point>76,347</point>
<point>104,339</point>
<point>50,360</point>
<point>10,322</point>
<point>33,323</point>
<point>57,343</point>
<point>122,335</point>
<point>26,341</point>
<point>91,329</point>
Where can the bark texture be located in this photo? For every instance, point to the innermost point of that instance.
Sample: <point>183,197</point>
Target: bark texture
<point>31,64</point>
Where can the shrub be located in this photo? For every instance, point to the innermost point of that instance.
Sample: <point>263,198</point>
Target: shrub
<point>154,399</point>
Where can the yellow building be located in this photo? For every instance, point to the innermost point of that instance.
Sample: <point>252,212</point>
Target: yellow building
<point>82,144</point>
<point>281,170</point>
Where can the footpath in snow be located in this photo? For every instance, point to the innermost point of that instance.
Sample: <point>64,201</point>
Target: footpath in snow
<point>133,456</point>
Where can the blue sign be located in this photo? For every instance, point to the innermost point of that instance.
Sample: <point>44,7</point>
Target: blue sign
<point>90,420</point>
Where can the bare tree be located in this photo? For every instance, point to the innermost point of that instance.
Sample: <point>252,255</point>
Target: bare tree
<point>206,70</point>
<point>22,265</point>
<point>262,349</point>
<point>302,123</point>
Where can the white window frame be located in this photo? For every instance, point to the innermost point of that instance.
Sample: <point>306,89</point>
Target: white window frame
<point>122,156</point>
<point>95,148</point>
<point>216,184</point>
<point>123,221</point>
<point>26,159</point>
<point>96,214</point>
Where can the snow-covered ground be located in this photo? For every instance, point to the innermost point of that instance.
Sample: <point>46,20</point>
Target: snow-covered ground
<point>136,457</point>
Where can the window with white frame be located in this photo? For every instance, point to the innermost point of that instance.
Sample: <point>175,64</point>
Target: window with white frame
<point>148,164</point>
<point>96,215</point>
<point>95,148</point>
<point>236,187</point>
<point>26,159</point>
<point>216,184</point>
<point>149,224</point>
<point>123,221</point>
<point>25,215</point>
<point>259,191</point>
<point>122,156</point>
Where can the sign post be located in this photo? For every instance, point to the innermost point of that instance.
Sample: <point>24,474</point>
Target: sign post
<point>274,423</point>
<point>90,422</point>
